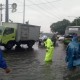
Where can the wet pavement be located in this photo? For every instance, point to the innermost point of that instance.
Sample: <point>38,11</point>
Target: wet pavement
<point>28,64</point>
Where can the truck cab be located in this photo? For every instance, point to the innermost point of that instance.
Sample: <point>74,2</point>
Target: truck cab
<point>7,37</point>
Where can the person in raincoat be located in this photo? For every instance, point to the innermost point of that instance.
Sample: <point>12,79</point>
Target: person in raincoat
<point>49,49</point>
<point>3,63</point>
<point>54,39</point>
<point>72,52</point>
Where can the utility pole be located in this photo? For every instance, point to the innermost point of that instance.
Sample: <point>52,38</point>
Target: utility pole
<point>7,12</point>
<point>0,14</point>
<point>24,11</point>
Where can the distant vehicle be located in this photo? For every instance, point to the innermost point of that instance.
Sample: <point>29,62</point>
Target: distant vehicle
<point>18,33</point>
<point>67,39</point>
<point>61,38</point>
<point>41,40</point>
<point>70,30</point>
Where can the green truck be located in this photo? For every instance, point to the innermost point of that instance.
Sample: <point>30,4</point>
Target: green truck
<point>17,33</point>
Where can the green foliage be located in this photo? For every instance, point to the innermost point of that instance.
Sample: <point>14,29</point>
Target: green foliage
<point>76,22</point>
<point>60,26</point>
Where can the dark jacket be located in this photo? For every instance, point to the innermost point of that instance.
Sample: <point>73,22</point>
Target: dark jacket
<point>54,39</point>
<point>2,61</point>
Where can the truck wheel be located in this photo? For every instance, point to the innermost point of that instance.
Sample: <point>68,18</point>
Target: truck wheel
<point>9,45</point>
<point>30,44</point>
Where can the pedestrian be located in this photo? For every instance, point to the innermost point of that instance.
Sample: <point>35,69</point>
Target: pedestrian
<point>72,53</point>
<point>49,49</point>
<point>3,63</point>
<point>54,39</point>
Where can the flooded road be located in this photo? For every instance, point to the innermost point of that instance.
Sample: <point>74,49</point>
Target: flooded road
<point>29,64</point>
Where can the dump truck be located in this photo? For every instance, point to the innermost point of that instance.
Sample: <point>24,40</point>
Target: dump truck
<point>17,33</point>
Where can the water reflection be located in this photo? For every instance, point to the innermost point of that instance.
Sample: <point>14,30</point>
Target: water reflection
<point>26,66</point>
<point>29,64</point>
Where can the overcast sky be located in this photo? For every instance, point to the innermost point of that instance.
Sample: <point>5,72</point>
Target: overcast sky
<point>44,12</point>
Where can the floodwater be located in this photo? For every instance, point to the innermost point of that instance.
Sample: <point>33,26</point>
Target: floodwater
<point>28,64</point>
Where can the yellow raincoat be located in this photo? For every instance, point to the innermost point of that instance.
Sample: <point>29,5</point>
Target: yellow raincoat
<point>49,49</point>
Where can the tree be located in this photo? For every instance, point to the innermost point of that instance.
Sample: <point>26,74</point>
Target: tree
<point>76,22</point>
<point>60,26</point>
